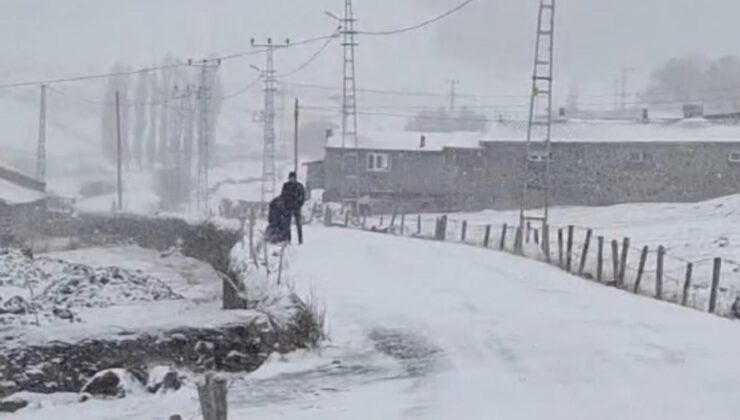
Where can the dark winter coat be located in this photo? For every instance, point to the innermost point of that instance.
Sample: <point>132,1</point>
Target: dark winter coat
<point>278,219</point>
<point>294,195</point>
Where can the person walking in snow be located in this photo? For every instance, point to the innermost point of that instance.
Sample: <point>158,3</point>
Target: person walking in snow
<point>294,196</point>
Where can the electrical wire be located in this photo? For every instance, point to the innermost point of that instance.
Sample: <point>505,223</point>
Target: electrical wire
<point>181,64</point>
<point>242,90</point>
<point>407,116</point>
<point>422,24</point>
<point>290,45</point>
<point>593,104</point>
<point>311,59</point>
<point>401,92</point>
<point>109,104</point>
<point>91,76</point>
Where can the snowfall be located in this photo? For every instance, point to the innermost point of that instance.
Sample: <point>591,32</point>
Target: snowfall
<point>689,232</point>
<point>423,329</point>
<point>103,292</point>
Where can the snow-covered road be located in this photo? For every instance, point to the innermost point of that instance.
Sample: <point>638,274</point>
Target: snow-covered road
<point>429,330</point>
<point>519,340</point>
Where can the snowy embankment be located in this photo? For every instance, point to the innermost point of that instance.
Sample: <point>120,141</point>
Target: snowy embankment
<point>75,301</point>
<point>70,315</point>
<point>430,330</point>
<point>690,232</point>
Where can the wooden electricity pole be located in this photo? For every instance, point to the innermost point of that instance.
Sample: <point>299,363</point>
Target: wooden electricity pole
<point>41,146</point>
<point>295,138</point>
<point>118,152</point>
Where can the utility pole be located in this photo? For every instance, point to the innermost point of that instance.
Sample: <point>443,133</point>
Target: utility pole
<point>350,164</point>
<point>174,143</point>
<point>189,111</point>
<point>268,152</point>
<point>453,94</point>
<point>208,69</point>
<point>535,199</point>
<point>295,139</point>
<point>41,146</point>
<point>119,184</point>
<point>624,91</point>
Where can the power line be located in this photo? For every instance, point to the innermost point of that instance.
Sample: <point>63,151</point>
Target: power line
<point>264,50</point>
<point>392,92</point>
<point>402,92</point>
<point>243,90</point>
<point>511,107</point>
<point>311,59</point>
<point>397,115</point>
<point>420,25</point>
<point>90,77</point>
<point>79,98</point>
<point>187,63</point>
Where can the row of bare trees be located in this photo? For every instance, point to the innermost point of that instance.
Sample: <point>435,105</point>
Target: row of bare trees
<point>162,122</point>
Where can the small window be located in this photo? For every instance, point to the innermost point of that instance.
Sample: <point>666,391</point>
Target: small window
<point>537,156</point>
<point>640,157</point>
<point>734,157</point>
<point>378,162</point>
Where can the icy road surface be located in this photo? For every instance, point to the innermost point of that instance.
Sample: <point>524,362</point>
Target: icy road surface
<point>431,330</point>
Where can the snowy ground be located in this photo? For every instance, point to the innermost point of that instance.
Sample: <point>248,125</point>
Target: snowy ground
<point>422,329</point>
<point>188,277</point>
<point>196,284</point>
<point>690,232</point>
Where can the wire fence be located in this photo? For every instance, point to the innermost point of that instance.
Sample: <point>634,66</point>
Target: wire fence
<point>707,284</point>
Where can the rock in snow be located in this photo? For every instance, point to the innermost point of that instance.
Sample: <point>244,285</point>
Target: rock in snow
<point>11,405</point>
<point>115,383</point>
<point>163,379</point>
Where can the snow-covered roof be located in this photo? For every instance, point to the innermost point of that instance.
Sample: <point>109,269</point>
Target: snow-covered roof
<point>689,130</point>
<point>695,129</point>
<point>11,193</point>
<point>251,192</point>
<point>410,140</point>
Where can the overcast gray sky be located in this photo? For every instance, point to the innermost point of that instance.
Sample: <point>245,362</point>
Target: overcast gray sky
<point>488,46</point>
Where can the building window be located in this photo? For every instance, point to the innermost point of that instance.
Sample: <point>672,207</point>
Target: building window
<point>537,156</point>
<point>378,162</point>
<point>734,157</point>
<point>637,156</point>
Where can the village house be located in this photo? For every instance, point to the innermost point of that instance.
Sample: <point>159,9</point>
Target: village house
<point>592,163</point>
<point>22,206</point>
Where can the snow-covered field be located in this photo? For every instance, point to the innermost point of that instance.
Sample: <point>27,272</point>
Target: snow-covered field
<point>431,330</point>
<point>186,276</point>
<point>105,291</point>
<point>690,232</point>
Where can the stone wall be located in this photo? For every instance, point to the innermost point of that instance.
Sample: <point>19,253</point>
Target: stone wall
<point>605,173</point>
<point>583,173</point>
<point>64,367</point>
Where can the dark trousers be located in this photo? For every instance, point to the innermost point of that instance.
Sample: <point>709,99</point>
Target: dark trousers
<point>296,214</point>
